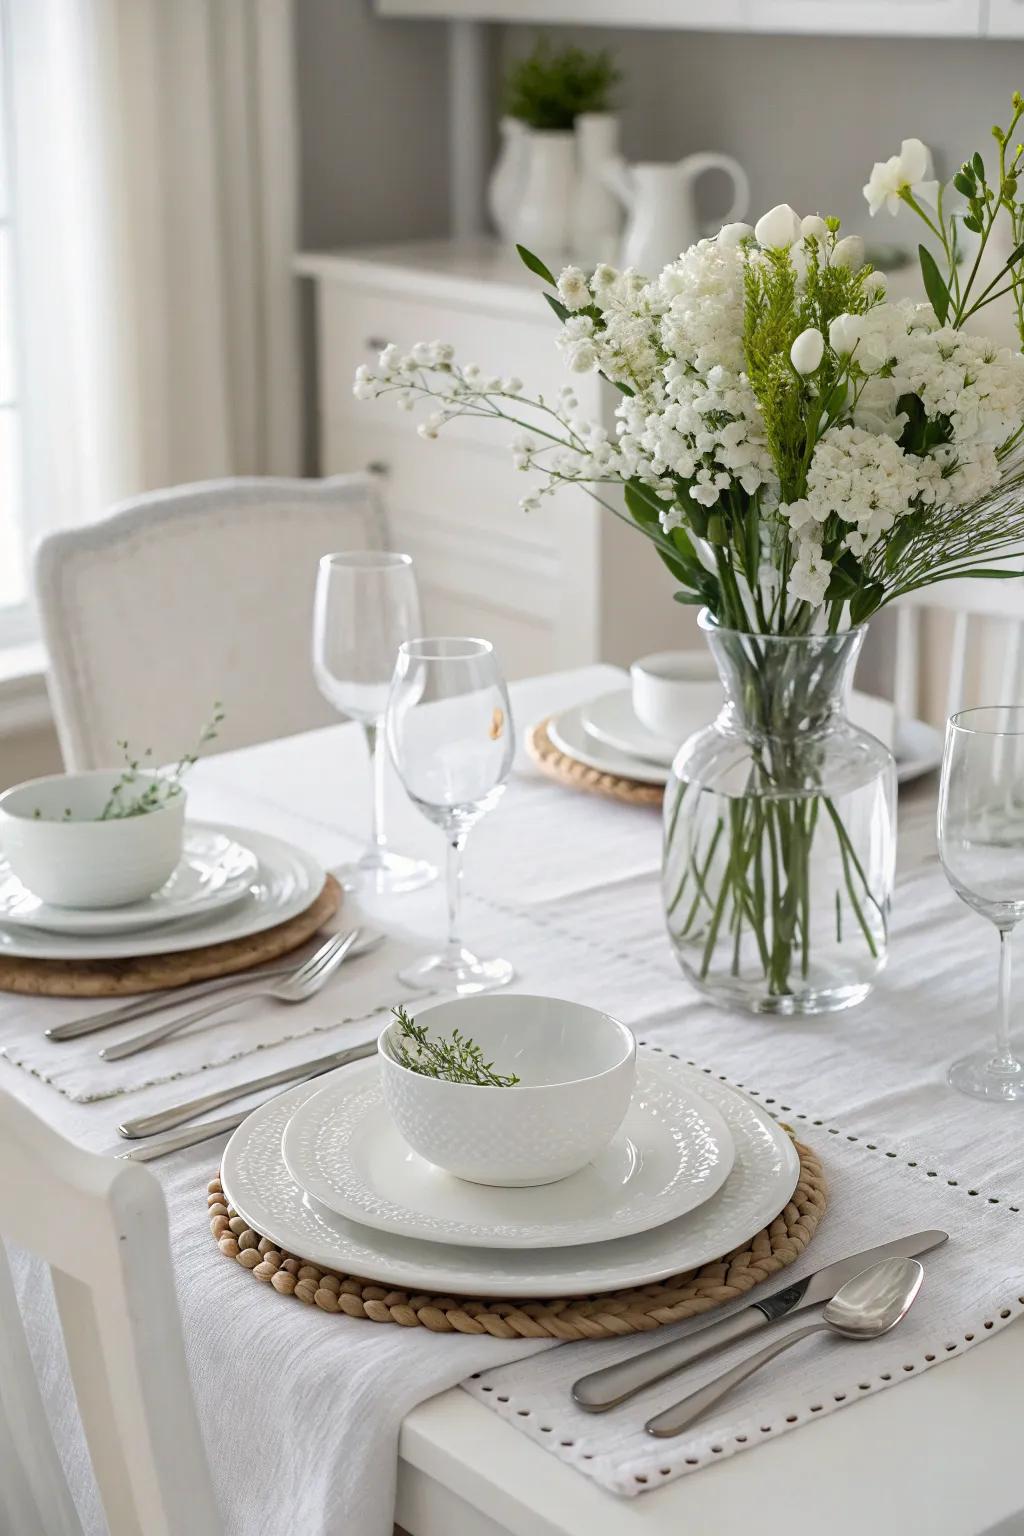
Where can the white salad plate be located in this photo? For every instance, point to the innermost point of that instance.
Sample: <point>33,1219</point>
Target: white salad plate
<point>763,1178</point>
<point>214,871</point>
<point>917,746</point>
<point>671,1154</point>
<point>285,882</point>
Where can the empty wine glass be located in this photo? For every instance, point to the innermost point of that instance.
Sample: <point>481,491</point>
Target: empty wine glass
<point>981,845</point>
<point>366,604</point>
<point>449,728</point>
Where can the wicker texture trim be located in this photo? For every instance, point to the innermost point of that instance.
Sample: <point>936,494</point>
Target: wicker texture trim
<point>594,1317</point>
<point>576,775</point>
<point>151,973</point>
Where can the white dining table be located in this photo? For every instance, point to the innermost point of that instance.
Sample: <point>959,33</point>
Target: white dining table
<point>939,1455</point>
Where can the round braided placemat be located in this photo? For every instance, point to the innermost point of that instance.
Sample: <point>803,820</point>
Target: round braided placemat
<point>151,973</point>
<point>592,1317</point>
<point>570,771</point>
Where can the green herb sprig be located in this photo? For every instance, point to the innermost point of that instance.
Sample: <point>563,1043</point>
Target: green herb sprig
<point>122,803</point>
<point>549,89</point>
<point>455,1059</point>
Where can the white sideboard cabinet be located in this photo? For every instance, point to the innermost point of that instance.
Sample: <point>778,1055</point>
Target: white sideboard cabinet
<point>555,588</point>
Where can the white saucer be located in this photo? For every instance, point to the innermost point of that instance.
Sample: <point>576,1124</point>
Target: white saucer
<point>672,1153</point>
<point>917,747</point>
<point>762,1180</point>
<point>214,872</point>
<point>286,882</point>
<point>611,719</point>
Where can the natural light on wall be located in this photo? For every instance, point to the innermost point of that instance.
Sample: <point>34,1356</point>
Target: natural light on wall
<point>12,562</point>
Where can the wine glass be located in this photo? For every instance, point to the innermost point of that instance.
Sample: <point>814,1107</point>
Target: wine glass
<point>449,728</point>
<point>366,604</point>
<point>981,845</point>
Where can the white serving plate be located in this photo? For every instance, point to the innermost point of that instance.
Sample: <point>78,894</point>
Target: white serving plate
<point>762,1180</point>
<point>672,1153</point>
<point>287,881</point>
<point>214,872</point>
<point>917,747</point>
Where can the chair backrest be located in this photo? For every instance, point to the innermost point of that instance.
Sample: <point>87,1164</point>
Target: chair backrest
<point>976,627</point>
<point>101,1225</point>
<point>190,596</point>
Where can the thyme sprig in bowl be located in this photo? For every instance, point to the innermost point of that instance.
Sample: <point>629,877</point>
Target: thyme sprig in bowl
<point>99,839</point>
<point>510,1090</point>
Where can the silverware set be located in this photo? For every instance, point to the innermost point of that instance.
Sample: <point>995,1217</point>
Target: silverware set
<point>865,1295</point>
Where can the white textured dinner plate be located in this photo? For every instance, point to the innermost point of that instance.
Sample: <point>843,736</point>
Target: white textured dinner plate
<point>568,732</point>
<point>287,880</point>
<point>214,871</point>
<point>671,1154</point>
<point>917,748</point>
<point>763,1178</point>
<point>610,719</point>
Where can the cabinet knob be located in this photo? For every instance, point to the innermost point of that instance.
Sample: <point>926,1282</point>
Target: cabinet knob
<point>378,467</point>
<point>375,343</point>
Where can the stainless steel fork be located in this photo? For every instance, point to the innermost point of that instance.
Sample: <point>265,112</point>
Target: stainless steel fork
<point>302,984</point>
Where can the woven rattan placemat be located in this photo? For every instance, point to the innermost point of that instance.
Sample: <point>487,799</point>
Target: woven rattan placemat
<point>591,1317</point>
<point>576,775</point>
<point>151,973</point>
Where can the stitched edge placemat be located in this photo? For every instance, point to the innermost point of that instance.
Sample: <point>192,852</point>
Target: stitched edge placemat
<point>594,1317</point>
<point>576,775</point>
<point>152,973</point>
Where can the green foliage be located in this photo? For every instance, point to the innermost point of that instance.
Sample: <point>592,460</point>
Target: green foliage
<point>127,800</point>
<point>550,88</point>
<point>534,264</point>
<point>457,1059</point>
<point>934,286</point>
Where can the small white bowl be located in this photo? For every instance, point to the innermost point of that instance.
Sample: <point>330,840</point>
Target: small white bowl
<point>79,861</point>
<point>676,693</point>
<point>575,1066</point>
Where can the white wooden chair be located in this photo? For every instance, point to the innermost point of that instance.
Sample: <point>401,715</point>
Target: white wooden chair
<point>983,630</point>
<point>101,1225</point>
<point>189,596</point>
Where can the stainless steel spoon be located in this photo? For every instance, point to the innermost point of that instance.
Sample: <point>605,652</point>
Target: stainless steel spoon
<point>864,1308</point>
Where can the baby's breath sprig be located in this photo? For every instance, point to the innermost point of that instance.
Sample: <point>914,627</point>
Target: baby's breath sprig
<point>122,803</point>
<point>456,1059</point>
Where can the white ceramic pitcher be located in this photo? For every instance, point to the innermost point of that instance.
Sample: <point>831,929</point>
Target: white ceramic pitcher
<point>659,199</point>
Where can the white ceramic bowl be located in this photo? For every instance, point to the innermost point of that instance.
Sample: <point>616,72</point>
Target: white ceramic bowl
<point>80,861</point>
<point>575,1066</point>
<point>676,693</point>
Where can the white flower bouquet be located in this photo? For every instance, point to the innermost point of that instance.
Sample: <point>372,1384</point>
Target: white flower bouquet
<point>800,452</point>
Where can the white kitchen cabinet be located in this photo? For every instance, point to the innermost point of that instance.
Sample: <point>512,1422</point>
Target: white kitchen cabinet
<point>555,588</point>
<point>1005,18</point>
<point>866,18</point>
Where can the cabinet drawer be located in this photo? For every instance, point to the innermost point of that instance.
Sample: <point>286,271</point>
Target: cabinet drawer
<point>354,323</point>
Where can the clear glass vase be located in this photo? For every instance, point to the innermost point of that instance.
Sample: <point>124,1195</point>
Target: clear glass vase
<point>779,838</point>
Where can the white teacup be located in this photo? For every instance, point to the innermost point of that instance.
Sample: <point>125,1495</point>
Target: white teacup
<point>576,1068</point>
<point>76,860</point>
<point>676,693</point>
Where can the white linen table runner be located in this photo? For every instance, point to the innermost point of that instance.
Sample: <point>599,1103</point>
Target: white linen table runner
<point>301,1410</point>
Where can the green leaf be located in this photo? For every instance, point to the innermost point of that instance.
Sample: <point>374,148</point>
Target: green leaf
<point>973,224</point>
<point>978,166</point>
<point>751,551</point>
<point>1014,257</point>
<point>693,599</point>
<point>558,307</point>
<point>535,265</point>
<point>934,286</point>
<point>964,184</point>
<point>642,505</point>
<point>865,603</point>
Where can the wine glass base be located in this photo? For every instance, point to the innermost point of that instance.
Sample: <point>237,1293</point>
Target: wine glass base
<point>985,1077</point>
<point>463,976</point>
<point>383,873</point>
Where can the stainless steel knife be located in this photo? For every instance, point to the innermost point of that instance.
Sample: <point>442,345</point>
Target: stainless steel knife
<point>600,1390</point>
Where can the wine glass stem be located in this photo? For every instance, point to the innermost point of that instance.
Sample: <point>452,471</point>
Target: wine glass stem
<point>378,753</point>
<point>453,874</point>
<point>1004,1056</point>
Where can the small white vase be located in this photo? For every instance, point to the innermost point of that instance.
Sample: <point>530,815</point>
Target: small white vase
<point>596,217</point>
<point>543,220</point>
<point>505,188</point>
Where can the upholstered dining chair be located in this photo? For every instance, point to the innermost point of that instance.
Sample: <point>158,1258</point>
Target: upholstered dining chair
<point>190,596</point>
<point>101,1225</point>
<point>974,630</point>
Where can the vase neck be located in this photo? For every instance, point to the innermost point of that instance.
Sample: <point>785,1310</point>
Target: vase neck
<point>785,686</point>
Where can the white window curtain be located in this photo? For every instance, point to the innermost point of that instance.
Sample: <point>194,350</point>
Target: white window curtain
<point>156,186</point>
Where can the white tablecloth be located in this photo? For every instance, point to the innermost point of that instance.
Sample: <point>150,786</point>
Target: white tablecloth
<point>301,1411</point>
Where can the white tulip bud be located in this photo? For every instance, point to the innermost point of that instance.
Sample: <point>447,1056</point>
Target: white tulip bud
<point>731,234</point>
<point>849,253</point>
<point>875,283</point>
<point>807,350</point>
<point>814,225</point>
<point>779,228</point>
<point>844,334</point>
